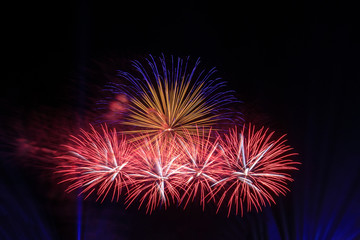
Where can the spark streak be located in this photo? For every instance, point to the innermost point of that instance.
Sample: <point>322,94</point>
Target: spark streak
<point>97,162</point>
<point>166,99</point>
<point>157,175</point>
<point>257,168</point>
<point>202,166</point>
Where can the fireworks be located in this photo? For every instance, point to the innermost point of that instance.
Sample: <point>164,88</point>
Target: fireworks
<point>173,156</point>
<point>97,162</point>
<point>244,167</point>
<point>164,99</point>
<point>257,168</point>
<point>158,175</point>
<point>202,166</point>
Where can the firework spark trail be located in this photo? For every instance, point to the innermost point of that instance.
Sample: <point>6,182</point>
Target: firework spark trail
<point>97,162</point>
<point>164,99</point>
<point>173,155</point>
<point>257,168</point>
<point>202,165</point>
<point>157,174</point>
<point>245,167</point>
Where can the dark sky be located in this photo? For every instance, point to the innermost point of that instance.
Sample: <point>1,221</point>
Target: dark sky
<point>294,64</point>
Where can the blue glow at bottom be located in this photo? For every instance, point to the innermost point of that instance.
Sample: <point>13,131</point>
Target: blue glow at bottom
<point>79,217</point>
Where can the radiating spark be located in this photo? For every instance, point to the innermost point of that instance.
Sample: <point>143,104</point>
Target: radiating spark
<point>257,168</point>
<point>157,175</point>
<point>164,99</point>
<point>202,166</point>
<point>98,163</point>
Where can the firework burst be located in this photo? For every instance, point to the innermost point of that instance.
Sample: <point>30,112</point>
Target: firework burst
<point>166,99</point>
<point>98,163</point>
<point>173,156</point>
<point>257,168</point>
<point>202,165</point>
<point>157,174</point>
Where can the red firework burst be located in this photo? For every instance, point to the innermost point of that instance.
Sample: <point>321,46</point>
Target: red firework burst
<point>97,162</point>
<point>257,168</point>
<point>157,174</point>
<point>202,165</point>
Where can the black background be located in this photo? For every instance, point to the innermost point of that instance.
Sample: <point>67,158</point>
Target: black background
<point>294,64</point>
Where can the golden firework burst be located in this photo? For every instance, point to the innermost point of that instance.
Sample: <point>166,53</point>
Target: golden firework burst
<point>166,100</point>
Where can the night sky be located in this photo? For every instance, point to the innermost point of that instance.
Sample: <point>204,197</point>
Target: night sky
<point>293,64</point>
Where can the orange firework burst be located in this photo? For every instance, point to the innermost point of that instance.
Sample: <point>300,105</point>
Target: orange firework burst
<point>165,100</point>
<point>257,168</point>
<point>97,162</point>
